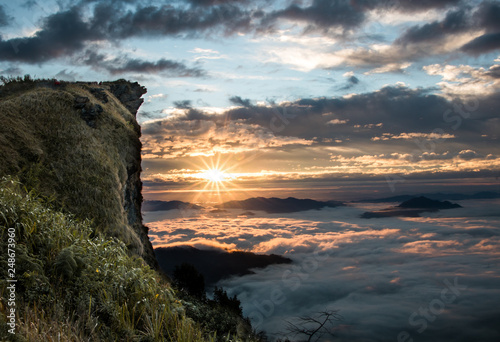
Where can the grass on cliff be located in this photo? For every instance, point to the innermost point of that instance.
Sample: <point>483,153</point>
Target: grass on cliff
<point>45,142</point>
<point>73,286</point>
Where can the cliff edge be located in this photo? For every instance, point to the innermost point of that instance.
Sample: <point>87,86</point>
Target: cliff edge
<point>79,145</point>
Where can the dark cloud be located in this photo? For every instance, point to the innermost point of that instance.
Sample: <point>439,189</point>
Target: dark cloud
<point>172,68</point>
<point>327,14</point>
<point>11,71</point>
<point>166,20</point>
<point>120,65</point>
<point>214,2</point>
<point>61,34</point>
<point>454,22</point>
<point>399,123</point>
<point>468,155</point>
<point>485,43</point>
<point>487,16</point>
<point>4,18</point>
<point>307,118</point>
<point>494,71</point>
<point>66,32</point>
<point>66,76</point>
<point>351,82</point>
<point>323,14</point>
<point>186,104</point>
<point>484,17</point>
<point>71,31</point>
<point>238,101</point>
<point>404,5</point>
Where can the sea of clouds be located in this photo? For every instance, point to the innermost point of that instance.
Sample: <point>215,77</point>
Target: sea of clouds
<point>433,278</point>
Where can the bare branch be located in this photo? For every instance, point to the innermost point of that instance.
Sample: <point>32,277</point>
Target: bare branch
<point>314,327</point>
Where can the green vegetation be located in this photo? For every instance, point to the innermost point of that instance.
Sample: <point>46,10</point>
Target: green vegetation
<point>79,262</point>
<point>46,143</point>
<point>222,313</point>
<point>80,287</point>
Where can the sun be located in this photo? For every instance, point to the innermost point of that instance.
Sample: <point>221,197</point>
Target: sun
<point>214,175</point>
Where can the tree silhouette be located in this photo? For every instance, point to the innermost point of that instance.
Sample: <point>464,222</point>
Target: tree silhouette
<point>187,277</point>
<point>314,327</point>
<point>231,303</point>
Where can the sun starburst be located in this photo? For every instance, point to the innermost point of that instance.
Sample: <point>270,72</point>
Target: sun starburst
<point>214,175</point>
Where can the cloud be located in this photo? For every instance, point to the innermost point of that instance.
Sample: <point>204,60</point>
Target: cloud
<point>376,273</point>
<point>468,155</point>
<point>323,15</point>
<point>411,132</point>
<point>455,22</point>
<point>486,43</point>
<point>337,122</point>
<point>328,136</point>
<point>186,104</point>
<point>466,80</point>
<point>4,18</point>
<point>121,65</point>
<point>61,34</point>
<point>409,136</point>
<point>172,68</point>
<point>168,20</point>
<point>391,67</point>
<point>72,30</point>
<point>237,100</point>
<point>67,32</point>
<point>214,2</point>
<point>484,17</point>
<point>327,15</point>
<point>66,76</point>
<point>352,81</point>
<point>200,137</point>
<point>405,5</point>
<point>11,71</point>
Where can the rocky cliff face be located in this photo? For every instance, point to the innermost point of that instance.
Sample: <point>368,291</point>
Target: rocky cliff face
<point>130,95</point>
<point>79,144</point>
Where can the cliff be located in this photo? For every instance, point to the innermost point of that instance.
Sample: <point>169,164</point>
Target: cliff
<point>79,144</point>
<point>71,235</point>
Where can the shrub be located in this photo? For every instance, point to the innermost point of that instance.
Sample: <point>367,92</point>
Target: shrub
<point>64,271</point>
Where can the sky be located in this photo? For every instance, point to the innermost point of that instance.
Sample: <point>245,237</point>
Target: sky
<point>428,279</point>
<point>390,95</point>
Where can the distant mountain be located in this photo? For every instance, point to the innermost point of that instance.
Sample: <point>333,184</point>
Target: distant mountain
<point>167,205</point>
<point>436,196</point>
<point>279,205</point>
<point>427,203</point>
<point>215,264</point>
<point>411,208</point>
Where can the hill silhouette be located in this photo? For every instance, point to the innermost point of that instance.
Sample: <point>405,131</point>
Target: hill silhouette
<point>427,203</point>
<point>411,208</point>
<point>275,205</point>
<point>167,205</point>
<point>215,264</point>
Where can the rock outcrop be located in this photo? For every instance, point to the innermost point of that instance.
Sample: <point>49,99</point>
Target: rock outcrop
<point>79,144</point>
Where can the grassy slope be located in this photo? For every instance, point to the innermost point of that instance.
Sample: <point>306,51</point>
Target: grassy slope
<point>74,285</point>
<point>77,258</point>
<point>44,140</point>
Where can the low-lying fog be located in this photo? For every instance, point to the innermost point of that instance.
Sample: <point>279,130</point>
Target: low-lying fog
<point>433,278</point>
